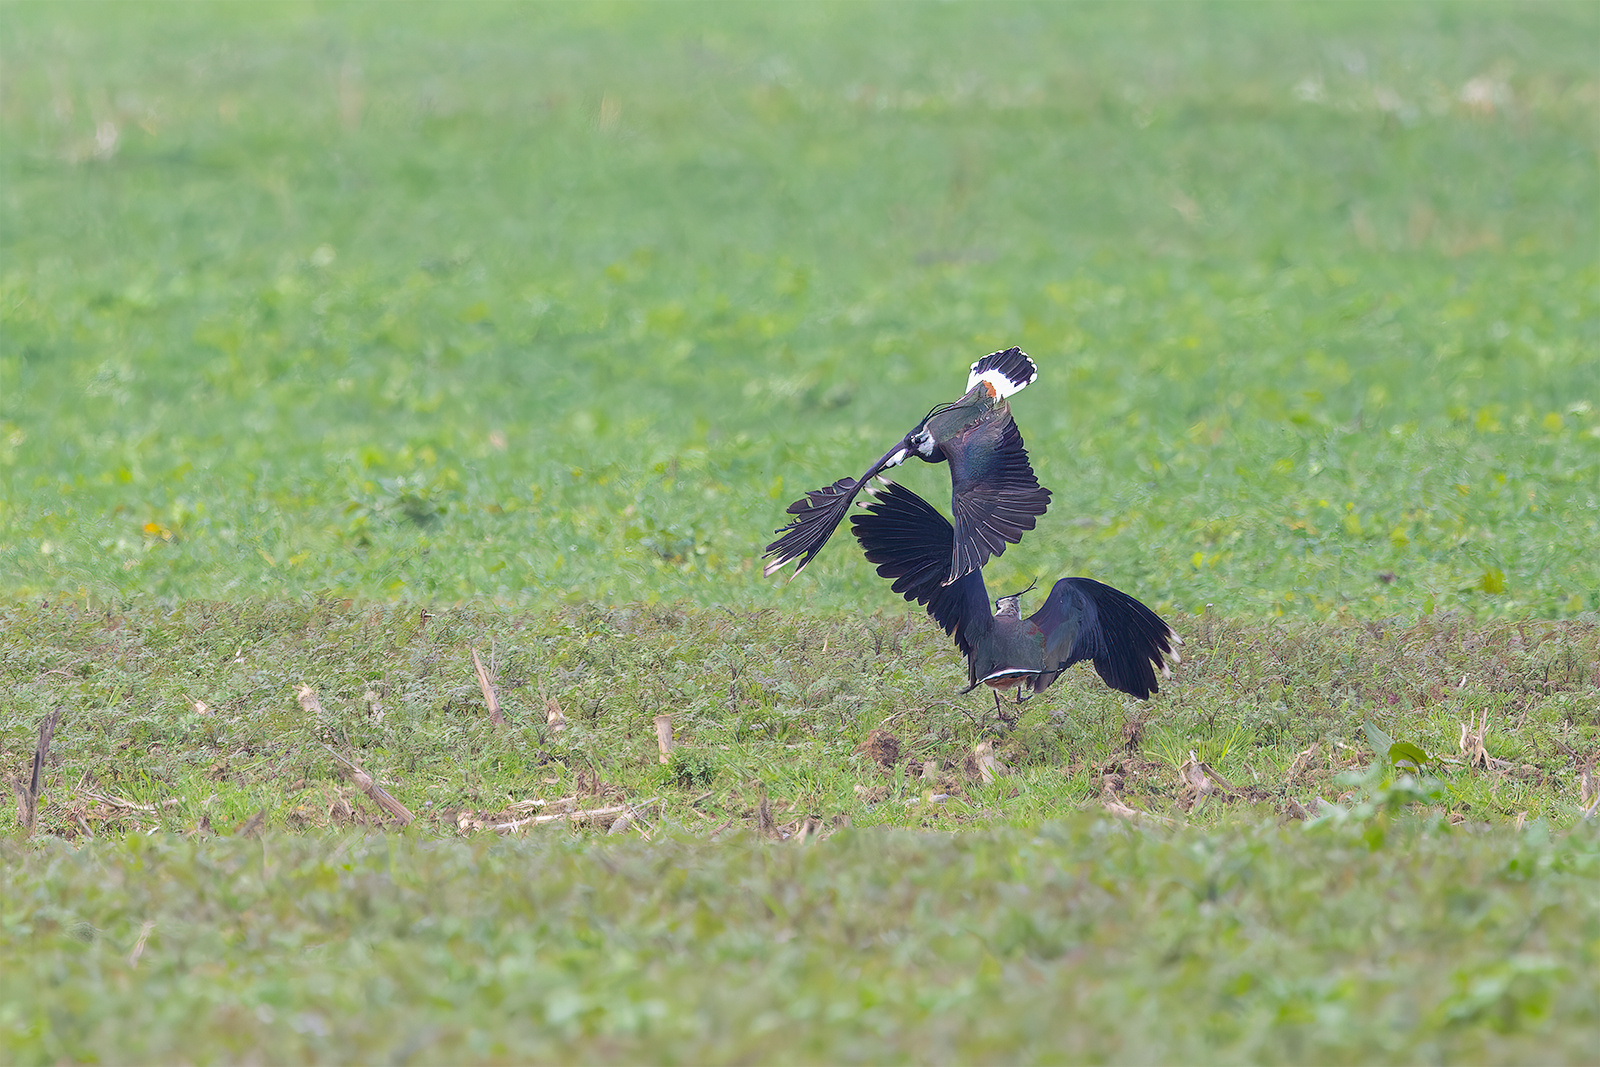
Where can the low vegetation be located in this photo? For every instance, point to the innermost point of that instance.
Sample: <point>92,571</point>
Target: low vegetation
<point>1373,939</point>
<point>392,413</point>
<point>200,717</point>
<point>543,306</point>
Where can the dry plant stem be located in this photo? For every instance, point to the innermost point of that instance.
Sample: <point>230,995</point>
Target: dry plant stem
<point>1116,807</point>
<point>764,824</point>
<point>309,703</point>
<point>138,946</point>
<point>989,768</point>
<point>553,717</point>
<point>587,815</point>
<point>664,737</point>
<point>636,815</point>
<point>379,795</point>
<point>489,699</point>
<point>115,801</point>
<point>28,792</point>
<point>1473,732</point>
<point>1198,779</point>
<point>1109,801</point>
<point>1302,760</point>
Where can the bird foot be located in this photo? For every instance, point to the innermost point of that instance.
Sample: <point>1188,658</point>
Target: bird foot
<point>1008,720</point>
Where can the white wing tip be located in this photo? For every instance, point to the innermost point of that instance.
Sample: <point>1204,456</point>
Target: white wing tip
<point>777,565</point>
<point>1171,658</point>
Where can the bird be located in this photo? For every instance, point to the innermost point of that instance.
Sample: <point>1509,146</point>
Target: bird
<point>994,494</point>
<point>1081,619</point>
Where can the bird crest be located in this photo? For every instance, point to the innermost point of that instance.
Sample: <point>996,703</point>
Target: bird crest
<point>1010,605</point>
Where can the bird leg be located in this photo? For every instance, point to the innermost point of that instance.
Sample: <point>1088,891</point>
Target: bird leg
<point>1006,721</point>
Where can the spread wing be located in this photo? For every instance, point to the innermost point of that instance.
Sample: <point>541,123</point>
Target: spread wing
<point>994,494</point>
<point>1083,619</point>
<point>910,543</point>
<point>817,515</point>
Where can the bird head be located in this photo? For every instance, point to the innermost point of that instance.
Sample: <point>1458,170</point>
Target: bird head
<point>920,443</point>
<point>1010,606</point>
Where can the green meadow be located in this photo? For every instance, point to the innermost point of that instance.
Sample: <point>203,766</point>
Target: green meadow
<point>342,342</point>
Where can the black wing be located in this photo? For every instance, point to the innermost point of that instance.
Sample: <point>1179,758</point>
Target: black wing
<point>817,515</point>
<point>1083,619</point>
<point>1005,497</point>
<point>910,543</point>
<point>994,494</point>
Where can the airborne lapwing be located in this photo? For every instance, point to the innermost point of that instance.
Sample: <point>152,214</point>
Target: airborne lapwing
<point>1081,619</point>
<point>993,492</point>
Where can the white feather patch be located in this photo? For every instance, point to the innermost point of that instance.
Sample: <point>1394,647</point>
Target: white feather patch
<point>1006,372</point>
<point>1006,672</point>
<point>998,382</point>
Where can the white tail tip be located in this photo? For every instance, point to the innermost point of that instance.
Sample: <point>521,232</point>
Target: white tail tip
<point>1008,371</point>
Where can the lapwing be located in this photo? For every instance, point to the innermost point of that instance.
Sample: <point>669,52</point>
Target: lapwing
<point>993,492</point>
<point>1081,619</point>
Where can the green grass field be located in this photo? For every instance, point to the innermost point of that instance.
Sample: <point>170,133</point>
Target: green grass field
<point>339,342</point>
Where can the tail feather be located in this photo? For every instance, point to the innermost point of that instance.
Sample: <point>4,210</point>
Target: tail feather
<point>1009,371</point>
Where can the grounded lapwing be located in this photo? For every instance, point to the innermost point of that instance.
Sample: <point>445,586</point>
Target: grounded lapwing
<point>1081,619</point>
<point>993,492</point>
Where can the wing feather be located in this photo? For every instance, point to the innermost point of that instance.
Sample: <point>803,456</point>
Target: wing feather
<point>1083,619</point>
<point>817,515</point>
<point>910,543</point>
<point>994,494</point>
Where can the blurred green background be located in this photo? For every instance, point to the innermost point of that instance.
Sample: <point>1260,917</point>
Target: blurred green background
<point>560,303</point>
